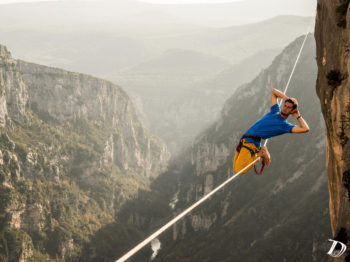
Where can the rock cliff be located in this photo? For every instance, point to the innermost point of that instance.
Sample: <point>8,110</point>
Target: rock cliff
<point>332,34</point>
<point>13,92</point>
<point>72,151</point>
<point>68,96</point>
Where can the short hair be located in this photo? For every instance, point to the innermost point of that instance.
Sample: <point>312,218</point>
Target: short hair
<point>293,101</point>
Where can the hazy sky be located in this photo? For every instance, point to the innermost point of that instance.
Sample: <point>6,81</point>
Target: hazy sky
<point>189,1</point>
<point>150,1</point>
<point>16,1</point>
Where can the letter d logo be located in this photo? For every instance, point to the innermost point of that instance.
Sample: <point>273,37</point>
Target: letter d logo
<point>338,254</point>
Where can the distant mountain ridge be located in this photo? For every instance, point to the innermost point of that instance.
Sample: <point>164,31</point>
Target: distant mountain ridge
<point>179,62</point>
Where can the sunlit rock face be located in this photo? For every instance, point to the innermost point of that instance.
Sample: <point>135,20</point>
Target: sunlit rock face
<point>332,36</point>
<point>68,96</point>
<point>13,92</point>
<point>72,150</point>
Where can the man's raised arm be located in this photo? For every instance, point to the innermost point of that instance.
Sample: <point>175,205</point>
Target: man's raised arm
<point>303,128</point>
<point>275,94</point>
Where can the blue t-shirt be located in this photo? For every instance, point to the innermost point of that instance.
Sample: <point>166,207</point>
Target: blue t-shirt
<point>270,125</point>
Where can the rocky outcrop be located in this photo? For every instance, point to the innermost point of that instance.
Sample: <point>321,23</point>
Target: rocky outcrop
<point>68,96</point>
<point>13,92</point>
<point>72,151</point>
<point>332,34</point>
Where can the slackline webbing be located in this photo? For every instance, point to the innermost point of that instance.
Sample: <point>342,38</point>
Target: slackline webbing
<point>204,198</point>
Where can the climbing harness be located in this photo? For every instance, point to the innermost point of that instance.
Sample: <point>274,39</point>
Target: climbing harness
<point>204,198</point>
<point>251,150</point>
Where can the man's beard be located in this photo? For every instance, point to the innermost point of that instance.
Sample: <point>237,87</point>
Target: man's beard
<point>286,115</point>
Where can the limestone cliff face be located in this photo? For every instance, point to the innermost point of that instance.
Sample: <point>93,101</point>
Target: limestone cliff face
<point>13,92</point>
<point>332,34</point>
<point>72,151</point>
<point>68,96</point>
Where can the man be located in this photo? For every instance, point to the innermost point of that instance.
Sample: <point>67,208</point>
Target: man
<point>272,124</point>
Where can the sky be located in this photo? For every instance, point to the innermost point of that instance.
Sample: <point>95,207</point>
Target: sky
<point>188,1</point>
<point>16,1</point>
<point>149,1</point>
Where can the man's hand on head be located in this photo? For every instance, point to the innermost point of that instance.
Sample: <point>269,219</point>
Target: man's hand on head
<point>303,128</point>
<point>295,113</point>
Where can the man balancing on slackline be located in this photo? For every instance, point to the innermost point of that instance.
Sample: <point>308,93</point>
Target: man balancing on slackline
<point>272,124</point>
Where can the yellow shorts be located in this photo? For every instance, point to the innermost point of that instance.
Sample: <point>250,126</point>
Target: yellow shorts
<point>244,157</point>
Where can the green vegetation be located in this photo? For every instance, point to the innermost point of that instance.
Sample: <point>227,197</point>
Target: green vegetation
<point>52,171</point>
